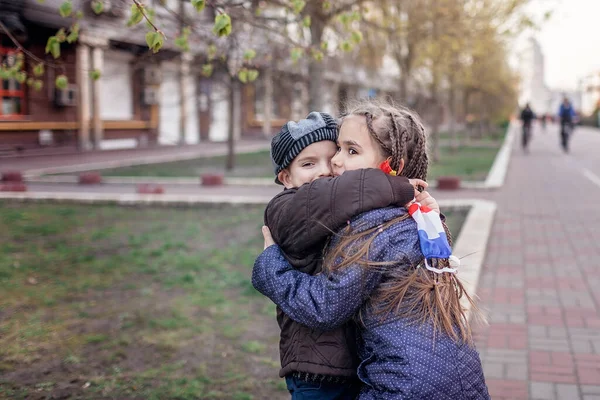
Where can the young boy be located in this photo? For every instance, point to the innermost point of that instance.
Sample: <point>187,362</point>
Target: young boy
<point>316,364</point>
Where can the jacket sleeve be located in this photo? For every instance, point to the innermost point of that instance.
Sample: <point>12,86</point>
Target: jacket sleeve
<point>327,301</point>
<point>303,218</point>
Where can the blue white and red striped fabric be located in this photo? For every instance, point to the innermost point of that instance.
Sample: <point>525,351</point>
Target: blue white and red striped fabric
<point>432,237</point>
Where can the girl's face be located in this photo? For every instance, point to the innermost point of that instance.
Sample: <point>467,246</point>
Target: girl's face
<point>356,147</point>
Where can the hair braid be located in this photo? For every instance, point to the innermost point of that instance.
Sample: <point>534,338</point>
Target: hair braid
<point>369,117</point>
<point>397,147</point>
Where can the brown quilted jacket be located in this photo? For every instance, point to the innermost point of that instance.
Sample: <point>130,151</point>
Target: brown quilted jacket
<point>301,220</point>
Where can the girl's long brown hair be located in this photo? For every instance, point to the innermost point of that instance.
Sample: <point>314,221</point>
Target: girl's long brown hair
<point>414,293</point>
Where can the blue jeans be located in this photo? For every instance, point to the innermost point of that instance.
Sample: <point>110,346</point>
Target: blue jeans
<point>302,390</point>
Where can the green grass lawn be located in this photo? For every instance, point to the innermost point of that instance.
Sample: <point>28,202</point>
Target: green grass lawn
<point>256,164</point>
<point>470,163</point>
<point>138,303</point>
<point>496,136</point>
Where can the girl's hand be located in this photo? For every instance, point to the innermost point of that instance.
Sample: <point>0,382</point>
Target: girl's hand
<point>416,183</point>
<point>268,238</point>
<point>425,199</point>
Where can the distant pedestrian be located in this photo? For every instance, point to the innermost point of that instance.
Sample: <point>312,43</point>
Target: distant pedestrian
<point>567,116</point>
<point>527,116</point>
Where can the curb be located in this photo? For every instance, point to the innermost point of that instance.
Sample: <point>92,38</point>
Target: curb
<point>497,174</point>
<point>135,180</point>
<point>472,242</point>
<point>132,199</point>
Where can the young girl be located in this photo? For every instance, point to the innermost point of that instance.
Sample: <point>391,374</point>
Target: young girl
<point>415,338</point>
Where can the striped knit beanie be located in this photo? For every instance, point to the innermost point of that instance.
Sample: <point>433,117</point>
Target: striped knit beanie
<point>296,136</point>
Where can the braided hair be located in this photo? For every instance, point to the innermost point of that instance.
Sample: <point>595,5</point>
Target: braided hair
<point>399,133</point>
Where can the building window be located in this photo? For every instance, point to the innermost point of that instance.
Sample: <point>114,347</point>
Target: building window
<point>12,93</point>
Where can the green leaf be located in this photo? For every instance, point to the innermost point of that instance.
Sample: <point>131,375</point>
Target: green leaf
<point>207,70</point>
<point>199,5</point>
<point>243,75</point>
<point>98,6</point>
<point>182,43</point>
<point>296,54</point>
<point>61,82</point>
<point>61,35</point>
<point>211,51</point>
<point>317,55</point>
<point>53,46</point>
<point>37,85</point>
<point>66,9</point>
<point>357,37</point>
<point>73,34</point>
<point>222,25</point>
<point>298,6</point>
<point>136,16</point>
<point>155,41</point>
<point>346,46</point>
<point>252,75</point>
<point>29,82</point>
<point>95,75</point>
<point>249,55</point>
<point>326,5</point>
<point>21,76</point>
<point>306,21</point>
<point>79,14</point>
<point>18,65</point>
<point>324,45</point>
<point>41,1</point>
<point>38,70</point>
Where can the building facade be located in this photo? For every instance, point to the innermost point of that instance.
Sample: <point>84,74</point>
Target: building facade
<point>138,99</point>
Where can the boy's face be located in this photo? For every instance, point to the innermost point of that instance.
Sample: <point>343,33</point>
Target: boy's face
<point>356,147</point>
<point>312,163</point>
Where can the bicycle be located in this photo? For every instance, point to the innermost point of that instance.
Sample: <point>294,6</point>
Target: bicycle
<point>526,137</point>
<point>566,130</point>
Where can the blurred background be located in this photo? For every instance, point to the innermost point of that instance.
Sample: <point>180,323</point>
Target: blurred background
<point>134,155</point>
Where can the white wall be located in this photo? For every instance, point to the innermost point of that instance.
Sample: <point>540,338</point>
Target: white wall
<point>192,127</point>
<point>169,105</point>
<point>116,87</point>
<point>168,131</point>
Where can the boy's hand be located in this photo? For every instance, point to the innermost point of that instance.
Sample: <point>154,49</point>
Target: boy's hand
<point>268,238</point>
<point>425,199</point>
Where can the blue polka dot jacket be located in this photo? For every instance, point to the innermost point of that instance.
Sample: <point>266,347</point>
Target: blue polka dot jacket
<point>398,360</point>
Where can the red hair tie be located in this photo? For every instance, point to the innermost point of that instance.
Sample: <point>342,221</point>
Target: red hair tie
<point>385,167</point>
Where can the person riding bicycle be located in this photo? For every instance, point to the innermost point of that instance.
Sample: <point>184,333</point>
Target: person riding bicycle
<point>567,115</point>
<point>527,116</point>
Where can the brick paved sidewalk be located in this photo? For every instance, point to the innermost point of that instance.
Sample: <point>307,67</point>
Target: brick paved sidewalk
<point>540,283</point>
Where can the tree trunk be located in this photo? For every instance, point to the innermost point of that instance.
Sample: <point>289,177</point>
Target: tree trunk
<point>435,134</point>
<point>183,72</point>
<point>234,88</point>
<point>316,69</point>
<point>452,125</point>
<point>268,102</point>
<point>403,87</point>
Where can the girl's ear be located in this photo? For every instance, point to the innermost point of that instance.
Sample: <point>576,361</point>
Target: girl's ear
<point>401,167</point>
